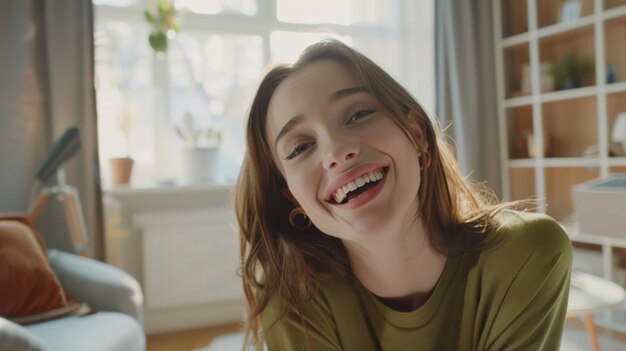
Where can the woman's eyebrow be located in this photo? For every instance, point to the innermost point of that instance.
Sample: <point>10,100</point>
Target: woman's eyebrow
<point>342,93</point>
<point>294,121</point>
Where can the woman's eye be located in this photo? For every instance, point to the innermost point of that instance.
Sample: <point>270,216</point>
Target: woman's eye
<point>298,149</point>
<point>360,114</point>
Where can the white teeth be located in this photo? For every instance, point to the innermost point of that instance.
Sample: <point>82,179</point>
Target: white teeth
<point>342,192</point>
<point>360,182</point>
<point>338,198</point>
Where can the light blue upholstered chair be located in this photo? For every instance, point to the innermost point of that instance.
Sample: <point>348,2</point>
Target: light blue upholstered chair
<point>117,326</point>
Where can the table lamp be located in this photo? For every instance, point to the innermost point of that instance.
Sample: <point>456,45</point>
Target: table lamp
<point>66,147</point>
<point>618,134</point>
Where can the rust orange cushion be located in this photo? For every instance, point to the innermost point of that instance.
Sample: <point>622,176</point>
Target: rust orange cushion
<point>28,286</point>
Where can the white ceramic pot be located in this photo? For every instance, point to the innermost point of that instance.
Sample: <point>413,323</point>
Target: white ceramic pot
<point>200,165</point>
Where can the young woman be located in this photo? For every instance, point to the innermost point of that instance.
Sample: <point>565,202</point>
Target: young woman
<point>358,231</point>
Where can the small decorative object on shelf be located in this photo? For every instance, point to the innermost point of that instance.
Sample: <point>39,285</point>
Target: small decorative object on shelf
<point>568,72</point>
<point>618,134</point>
<point>546,79</point>
<point>122,167</point>
<point>570,10</point>
<point>531,146</point>
<point>611,76</point>
<point>165,22</point>
<point>200,158</point>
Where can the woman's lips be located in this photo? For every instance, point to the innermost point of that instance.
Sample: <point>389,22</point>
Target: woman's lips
<point>366,196</point>
<point>346,194</point>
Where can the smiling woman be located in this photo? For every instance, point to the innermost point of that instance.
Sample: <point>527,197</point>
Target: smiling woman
<point>358,231</point>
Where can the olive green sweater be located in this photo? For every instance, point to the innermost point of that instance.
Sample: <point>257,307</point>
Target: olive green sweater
<point>509,297</point>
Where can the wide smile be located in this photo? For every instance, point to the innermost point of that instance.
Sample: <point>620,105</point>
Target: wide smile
<point>368,183</point>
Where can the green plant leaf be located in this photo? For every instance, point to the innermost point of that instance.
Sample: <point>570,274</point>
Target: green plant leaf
<point>148,16</point>
<point>158,41</point>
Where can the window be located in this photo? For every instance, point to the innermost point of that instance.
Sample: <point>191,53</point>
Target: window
<point>213,65</point>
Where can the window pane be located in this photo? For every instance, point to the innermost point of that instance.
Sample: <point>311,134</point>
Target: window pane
<point>212,7</point>
<point>123,86</point>
<point>385,52</point>
<point>213,77</point>
<point>345,12</point>
<point>287,46</point>
<point>117,3</point>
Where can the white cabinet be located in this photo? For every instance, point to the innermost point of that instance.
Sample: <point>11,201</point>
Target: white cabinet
<point>186,254</point>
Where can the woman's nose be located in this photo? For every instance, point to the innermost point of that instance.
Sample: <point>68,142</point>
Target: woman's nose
<point>339,153</point>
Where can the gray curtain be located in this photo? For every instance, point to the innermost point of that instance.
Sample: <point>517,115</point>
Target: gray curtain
<point>47,86</point>
<point>466,85</point>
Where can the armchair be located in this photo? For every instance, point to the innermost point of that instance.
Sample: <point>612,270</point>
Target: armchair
<point>116,296</point>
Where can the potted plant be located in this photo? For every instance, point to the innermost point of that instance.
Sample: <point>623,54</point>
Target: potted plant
<point>200,158</point>
<point>165,22</point>
<point>122,167</point>
<point>569,71</point>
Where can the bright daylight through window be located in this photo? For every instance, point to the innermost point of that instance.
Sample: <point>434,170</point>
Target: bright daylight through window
<point>152,106</point>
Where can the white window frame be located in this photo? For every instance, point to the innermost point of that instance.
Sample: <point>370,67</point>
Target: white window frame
<point>416,34</point>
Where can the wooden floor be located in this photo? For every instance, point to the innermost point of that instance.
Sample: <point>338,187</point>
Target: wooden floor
<point>187,340</point>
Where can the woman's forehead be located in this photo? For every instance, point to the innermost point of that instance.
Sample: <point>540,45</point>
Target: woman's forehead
<point>313,84</point>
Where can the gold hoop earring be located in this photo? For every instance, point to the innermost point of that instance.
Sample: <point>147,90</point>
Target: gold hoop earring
<point>298,219</point>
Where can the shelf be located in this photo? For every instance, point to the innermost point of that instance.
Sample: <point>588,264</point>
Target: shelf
<point>565,28</point>
<point>522,163</point>
<point>568,94</point>
<point>617,161</point>
<point>616,87</point>
<point>514,40</point>
<point>617,9</point>
<point>518,101</point>
<point>565,162</point>
<point>573,112</point>
<point>549,12</point>
<point>571,162</point>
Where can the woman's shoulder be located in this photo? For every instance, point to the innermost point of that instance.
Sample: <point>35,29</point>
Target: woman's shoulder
<point>527,240</point>
<point>535,231</point>
<point>530,249</point>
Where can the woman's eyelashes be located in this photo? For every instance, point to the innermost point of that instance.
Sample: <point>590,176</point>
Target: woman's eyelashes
<point>298,149</point>
<point>360,114</point>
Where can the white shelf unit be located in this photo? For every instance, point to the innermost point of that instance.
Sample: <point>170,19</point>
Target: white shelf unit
<point>575,124</point>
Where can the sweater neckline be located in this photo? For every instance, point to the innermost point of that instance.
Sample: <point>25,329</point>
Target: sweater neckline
<point>423,314</point>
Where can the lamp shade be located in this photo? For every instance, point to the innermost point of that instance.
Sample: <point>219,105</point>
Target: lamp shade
<point>618,134</point>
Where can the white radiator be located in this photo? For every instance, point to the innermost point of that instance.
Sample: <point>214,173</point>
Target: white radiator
<point>189,257</point>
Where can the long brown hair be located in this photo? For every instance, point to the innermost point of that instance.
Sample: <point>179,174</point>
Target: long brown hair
<point>278,260</point>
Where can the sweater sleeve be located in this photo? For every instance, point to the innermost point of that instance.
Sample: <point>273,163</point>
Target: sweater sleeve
<point>532,313</point>
<point>314,330</point>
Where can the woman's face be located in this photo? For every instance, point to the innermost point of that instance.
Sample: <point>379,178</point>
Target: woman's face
<point>345,161</point>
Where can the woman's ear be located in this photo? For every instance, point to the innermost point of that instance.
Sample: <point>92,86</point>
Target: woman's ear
<point>418,130</point>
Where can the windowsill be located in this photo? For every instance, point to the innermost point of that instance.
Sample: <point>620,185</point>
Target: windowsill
<point>165,188</point>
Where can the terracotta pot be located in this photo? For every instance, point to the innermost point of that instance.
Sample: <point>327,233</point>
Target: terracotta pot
<point>121,170</point>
